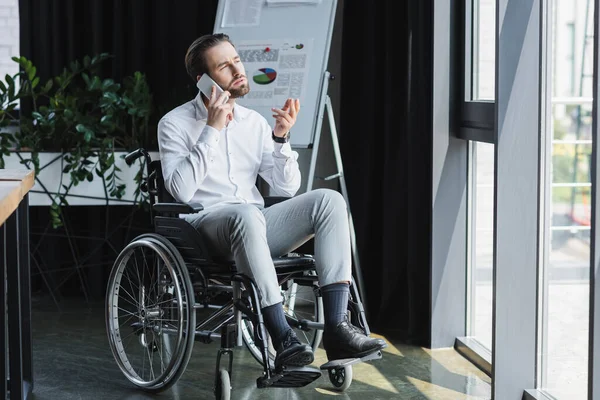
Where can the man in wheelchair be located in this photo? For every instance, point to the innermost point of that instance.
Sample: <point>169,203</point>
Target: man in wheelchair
<point>212,151</point>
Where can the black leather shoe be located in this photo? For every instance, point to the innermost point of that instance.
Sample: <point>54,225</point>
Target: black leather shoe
<point>347,341</point>
<point>292,353</point>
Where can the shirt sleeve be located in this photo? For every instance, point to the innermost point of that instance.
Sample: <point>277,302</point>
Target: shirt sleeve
<point>184,168</point>
<point>279,166</point>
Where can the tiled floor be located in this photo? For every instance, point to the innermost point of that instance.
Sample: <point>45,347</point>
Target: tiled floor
<point>72,360</point>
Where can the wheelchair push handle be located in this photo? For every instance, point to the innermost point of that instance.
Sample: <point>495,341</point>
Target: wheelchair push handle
<point>134,155</point>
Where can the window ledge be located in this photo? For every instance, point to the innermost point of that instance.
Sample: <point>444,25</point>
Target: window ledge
<point>475,352</point>
<point>534,394</point>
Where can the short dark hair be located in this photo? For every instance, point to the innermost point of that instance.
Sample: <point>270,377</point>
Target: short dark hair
<point>195,62</point>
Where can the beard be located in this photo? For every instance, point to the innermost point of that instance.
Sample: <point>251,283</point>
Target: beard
<point>239,91</point>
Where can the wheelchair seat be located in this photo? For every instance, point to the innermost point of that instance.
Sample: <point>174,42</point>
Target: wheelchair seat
<point>189,241</point>
<point>190,244</point>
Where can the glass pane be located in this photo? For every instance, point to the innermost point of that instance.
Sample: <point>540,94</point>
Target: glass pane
<point>9,37</point>
<point>565,289</point>
<point>484,50</point>
<point>482,243</point>
<point>565,353</point>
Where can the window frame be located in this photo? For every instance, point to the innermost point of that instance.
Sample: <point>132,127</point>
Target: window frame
<point>594,321</point>
<point>476,116</point>
<point>477,124</point>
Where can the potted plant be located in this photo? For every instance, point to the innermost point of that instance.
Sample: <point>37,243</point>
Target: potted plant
<point>86,119</point>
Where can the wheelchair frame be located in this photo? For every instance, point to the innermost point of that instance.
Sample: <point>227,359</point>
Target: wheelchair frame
<point>225,323</point>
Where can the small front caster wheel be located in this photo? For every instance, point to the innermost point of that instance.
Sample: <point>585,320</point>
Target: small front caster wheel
<point>223,386</point>
<point>341,378</point>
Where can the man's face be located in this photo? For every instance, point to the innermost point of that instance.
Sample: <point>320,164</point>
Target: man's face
<point>226,68</point>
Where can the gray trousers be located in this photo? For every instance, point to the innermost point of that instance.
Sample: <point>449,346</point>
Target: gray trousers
<point>251,236</point>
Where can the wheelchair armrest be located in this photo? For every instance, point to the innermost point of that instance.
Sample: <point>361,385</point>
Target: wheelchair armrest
<point>271,200</point>
<point>178,208</point>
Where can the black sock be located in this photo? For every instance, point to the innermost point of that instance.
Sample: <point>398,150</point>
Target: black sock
<point>335,302</point>
<point>276,323</point>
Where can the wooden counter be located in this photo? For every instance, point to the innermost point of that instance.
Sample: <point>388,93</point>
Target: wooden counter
<point>14,185</point>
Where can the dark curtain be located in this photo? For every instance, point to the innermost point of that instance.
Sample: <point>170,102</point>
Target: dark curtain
<point>150,36</point>
<point>385,138</point>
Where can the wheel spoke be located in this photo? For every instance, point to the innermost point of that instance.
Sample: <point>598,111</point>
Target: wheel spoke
<point>158,295</point>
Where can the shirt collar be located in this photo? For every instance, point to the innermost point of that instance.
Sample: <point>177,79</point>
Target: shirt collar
<point>239,112</point>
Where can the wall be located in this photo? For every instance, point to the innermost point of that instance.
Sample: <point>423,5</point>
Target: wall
<point>9,36</point>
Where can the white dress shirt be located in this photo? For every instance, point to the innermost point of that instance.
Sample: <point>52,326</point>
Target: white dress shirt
<point>202,165</point>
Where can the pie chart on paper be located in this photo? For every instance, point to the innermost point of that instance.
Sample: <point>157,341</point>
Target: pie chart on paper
<point>264,76</point>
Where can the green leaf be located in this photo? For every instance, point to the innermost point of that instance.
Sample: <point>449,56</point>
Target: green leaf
<point>11,87</point>
<point>31,73</point>
<point>35,82</point>
<point>48,86</point>
<point>80,128</point>
<point>109,95</point>
<point>87,136</point>
<point>75,66</point>
<point>95,83</point>
<point>106,120</point>
<point>105,102</point>
<point>107,83</point>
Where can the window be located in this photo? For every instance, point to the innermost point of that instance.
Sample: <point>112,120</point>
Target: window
<point>478,124</point>
<point>564,291</point>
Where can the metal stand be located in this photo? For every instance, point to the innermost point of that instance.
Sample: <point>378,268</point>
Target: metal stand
<point>325,104</point>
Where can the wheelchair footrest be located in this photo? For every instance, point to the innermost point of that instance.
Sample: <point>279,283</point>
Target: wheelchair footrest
<point>333,364</point>
<point>290,377</point>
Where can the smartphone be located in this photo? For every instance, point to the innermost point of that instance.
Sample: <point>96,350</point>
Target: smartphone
<point>205,84</point>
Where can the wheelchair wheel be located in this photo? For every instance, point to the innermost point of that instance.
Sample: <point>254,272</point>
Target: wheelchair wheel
<point>150,316</point>
<point>223,385</point>
<point>301,301</point>
<point>341,378</point>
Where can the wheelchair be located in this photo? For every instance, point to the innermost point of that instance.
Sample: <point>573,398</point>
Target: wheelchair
<point>163,284</point>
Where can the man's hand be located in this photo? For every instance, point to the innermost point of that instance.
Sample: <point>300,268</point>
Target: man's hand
<point>219,111</point>
<point>285,118</point>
